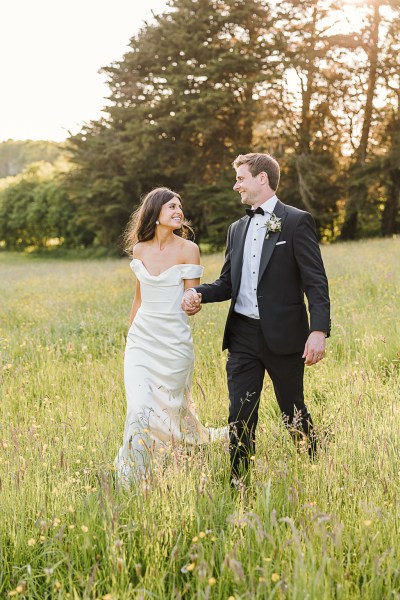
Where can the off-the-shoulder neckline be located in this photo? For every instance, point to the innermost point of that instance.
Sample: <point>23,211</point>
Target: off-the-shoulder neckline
<point>166,270</point>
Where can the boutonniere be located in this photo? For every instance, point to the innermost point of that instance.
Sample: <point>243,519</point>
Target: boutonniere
<point>274,225</point>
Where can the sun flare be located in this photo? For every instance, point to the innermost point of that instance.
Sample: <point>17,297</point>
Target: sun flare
<point>349,17</point>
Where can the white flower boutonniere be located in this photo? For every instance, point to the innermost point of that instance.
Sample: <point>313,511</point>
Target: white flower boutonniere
<point>274,225</point>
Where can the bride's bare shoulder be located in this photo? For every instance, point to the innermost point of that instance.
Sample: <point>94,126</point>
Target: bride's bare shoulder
<point>189,252</point>
<point>137,250</point>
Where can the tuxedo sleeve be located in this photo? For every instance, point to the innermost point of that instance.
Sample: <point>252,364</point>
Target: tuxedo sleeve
<point>221,289</point>
<point>312,271</point>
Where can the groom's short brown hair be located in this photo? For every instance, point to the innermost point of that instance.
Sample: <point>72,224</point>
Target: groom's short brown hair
<point>258,163</point>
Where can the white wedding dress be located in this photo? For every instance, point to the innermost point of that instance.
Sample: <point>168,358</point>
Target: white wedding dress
<point>158,370</point>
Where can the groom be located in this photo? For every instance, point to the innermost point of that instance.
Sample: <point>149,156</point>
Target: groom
<point>272,259</point>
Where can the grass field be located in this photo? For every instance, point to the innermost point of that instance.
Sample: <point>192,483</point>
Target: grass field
<point>303,531</point>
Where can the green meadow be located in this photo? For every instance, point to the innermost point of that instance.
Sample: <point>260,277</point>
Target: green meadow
<point>323,530</point>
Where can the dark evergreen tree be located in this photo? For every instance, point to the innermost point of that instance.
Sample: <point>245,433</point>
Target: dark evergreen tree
<point>183,104</point>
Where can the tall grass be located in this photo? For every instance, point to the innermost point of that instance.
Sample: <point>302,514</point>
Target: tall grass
<point>319,531</point>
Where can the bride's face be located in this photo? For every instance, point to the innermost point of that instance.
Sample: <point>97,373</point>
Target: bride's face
<point>171,214</point>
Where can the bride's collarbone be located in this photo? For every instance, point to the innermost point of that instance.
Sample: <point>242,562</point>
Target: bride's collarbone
<point>157,259</point>
<point>157,267</point>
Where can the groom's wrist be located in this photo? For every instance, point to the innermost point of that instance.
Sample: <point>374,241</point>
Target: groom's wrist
<point>324,333</point>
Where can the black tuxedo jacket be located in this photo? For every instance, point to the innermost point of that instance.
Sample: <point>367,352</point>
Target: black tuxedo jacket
<point>287,272</point>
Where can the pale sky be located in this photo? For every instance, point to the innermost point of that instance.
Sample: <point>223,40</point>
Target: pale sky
<point>50,54</point>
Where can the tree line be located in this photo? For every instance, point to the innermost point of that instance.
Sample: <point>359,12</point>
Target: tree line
<point>210,79</point>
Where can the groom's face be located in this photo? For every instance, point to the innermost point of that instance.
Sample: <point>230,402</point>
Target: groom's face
<point>249,187</point>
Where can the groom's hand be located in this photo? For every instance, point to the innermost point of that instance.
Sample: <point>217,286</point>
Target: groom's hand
<point>191,302</point>
<point>314,350</point>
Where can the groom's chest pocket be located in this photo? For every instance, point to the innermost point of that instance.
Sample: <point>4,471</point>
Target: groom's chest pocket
<point>282,257</point>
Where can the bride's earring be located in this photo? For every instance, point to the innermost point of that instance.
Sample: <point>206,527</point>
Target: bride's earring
<point>157,222</point>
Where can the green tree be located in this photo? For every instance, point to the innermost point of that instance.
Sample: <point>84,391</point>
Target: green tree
<point>391,138</point>
<point>16,155</point>
<point>184,101</point>
<point>368,75</point>
<point>36,209</point>
<point>306,131</point>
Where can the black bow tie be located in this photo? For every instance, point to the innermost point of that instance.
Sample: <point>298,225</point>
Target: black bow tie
<point>251,212</point>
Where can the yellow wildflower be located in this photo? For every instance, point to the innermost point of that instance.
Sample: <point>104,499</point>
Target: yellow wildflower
<point>367,523</point>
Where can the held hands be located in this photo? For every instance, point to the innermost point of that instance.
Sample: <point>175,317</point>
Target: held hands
<point>191,302</point>
<point>314,350</point>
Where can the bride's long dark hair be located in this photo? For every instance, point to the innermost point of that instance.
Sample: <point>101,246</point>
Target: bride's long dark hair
<point>142,223</point>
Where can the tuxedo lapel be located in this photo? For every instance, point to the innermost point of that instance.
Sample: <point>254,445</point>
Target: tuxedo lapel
<point>269,243</point>
<point>237,251</point>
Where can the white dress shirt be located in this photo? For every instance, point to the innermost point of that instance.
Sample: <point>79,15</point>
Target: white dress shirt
<point>247,303</point>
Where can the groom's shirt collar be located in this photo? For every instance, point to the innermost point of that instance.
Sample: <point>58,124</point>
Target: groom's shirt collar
<point>269,205</point>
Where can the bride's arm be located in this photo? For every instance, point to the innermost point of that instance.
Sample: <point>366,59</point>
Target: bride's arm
<point>137,301</point>
<point>191,256</point>
<point>190,283</point>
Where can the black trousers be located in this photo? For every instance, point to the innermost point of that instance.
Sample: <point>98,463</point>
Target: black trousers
<point>248,359</point>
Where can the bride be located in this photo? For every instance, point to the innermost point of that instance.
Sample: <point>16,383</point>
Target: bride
<point>159,356</point>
